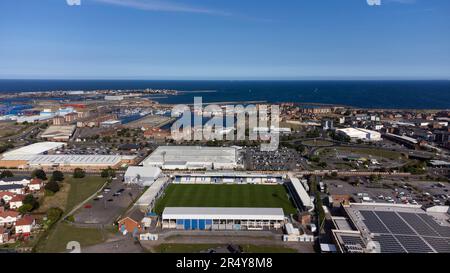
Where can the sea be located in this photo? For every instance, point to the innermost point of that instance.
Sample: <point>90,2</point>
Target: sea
<point>381,94</point>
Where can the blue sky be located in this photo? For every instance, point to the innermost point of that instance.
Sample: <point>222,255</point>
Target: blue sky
<point>218,39</point>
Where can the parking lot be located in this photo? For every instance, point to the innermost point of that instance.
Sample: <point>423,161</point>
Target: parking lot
<point>427,193</point>
<point>281,160</point>
<point>109,204</point>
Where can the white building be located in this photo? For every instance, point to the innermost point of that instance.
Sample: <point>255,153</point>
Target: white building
<point>35,148</point>
<point>361,134</point>
<point>144,176</point>
<point>25,225</point>
<point>193,157</point>
<point>223,218</point>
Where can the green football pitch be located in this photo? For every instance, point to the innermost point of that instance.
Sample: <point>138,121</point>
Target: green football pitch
<point>223,195</point>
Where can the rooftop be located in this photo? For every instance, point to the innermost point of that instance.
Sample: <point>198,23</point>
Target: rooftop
<point>224,213</point>
<point>59,131</point>
<point>134,171</point>
<point>35,149</point>
<point>191,154</point>
<point>401,228</point>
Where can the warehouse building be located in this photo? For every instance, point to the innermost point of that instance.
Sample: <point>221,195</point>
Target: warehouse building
<point>58,133</point>
<point>35,149</point>
<point>193,158</point>
<point>143,176</point>
<point>223,218</point>
<point>360,134</point>
<point>64,162</point>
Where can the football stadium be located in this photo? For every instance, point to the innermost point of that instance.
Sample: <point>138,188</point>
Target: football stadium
<point>226,196</point>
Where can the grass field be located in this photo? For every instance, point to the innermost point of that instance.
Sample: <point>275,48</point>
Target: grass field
<point>64,233</point>
<point>73,192</point>
<point>252,196</point>
<point>317,143</point>
<point>82,188</point>
<point>392,155</point>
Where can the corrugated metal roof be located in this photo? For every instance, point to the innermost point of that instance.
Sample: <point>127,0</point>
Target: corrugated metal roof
<point>223,213</point>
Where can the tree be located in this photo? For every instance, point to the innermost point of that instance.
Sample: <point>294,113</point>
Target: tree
<point>39,174</point>
<point>52,186</point>
<point>53,214</point>
<point>57,176</point>
<point>108,173</point>
<point>79,173</point>
<point>6,174</point>
<point>32,201</point>
<point>25,208</point>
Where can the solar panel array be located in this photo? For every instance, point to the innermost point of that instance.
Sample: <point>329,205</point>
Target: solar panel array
<point>398,232</point>
<point>389,244</point>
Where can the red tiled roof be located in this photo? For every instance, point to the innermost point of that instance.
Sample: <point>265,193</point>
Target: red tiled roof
<point>9,213</point>
<point>6,193</point>
<point>25,221</point>
<point>17,198</point>
<point>36,181</point>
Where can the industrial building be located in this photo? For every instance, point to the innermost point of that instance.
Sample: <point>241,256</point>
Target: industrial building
<point>360,134</point>
<point>58,133</point>
<point>144,176</point>
<point>35,149</point>
<point>223,218</point>
<point>64,162</point>
<point>193,158</point>
<point>392,228</point>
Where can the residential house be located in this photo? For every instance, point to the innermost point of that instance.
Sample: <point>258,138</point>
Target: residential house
<point>25,225</point>
<point>14,188</point>
<point>6,196</point>
<point>35,185</point>
<point>18,180</point>
<point>8,217</point>
<point>4,235</point>
<point>16,202</point>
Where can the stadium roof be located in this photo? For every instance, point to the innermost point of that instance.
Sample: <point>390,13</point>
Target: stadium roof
<point>151,193</point>
<point>301,191</point>
<point>229,174</point>
<point>191,154</point>
<point>35,149</point>
<point>275,214</point>
<point>406,138</point>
